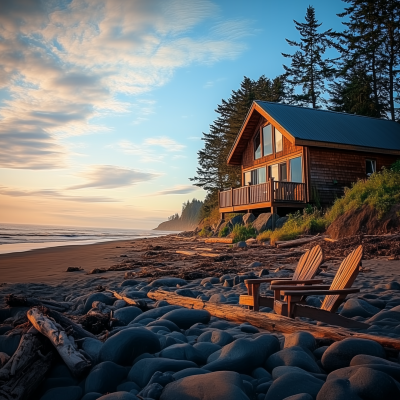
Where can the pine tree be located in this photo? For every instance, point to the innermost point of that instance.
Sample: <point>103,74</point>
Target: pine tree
<point>213,173</point>
<point>362,44</point>
<point>308,68</point>
<point>353,94</point>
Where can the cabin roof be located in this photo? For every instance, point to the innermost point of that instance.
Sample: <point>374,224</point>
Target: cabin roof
<point>320,128</point>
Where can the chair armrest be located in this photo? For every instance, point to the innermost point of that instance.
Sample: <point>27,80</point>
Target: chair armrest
<point>311,292</point>
<point>263,280</point>
<point>299,288</point>
<point>297,282</point>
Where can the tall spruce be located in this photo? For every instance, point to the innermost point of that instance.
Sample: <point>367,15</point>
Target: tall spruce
<point>309,70</point>
<point>213,173</point>
<point>372,42</point>
<point>353,94</point>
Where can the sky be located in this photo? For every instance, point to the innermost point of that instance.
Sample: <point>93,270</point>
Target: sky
<point>103,102</point>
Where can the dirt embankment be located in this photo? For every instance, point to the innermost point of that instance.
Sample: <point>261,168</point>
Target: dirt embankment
<point>365,221</point>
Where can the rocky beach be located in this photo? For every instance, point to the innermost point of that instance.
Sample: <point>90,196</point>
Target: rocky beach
<point>127,345</point>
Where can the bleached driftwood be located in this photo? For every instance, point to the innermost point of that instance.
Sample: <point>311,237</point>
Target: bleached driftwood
<point>270,322</point>
<point>25,370</point>
<point>297,242</point>
<point>219,240</point>
<point>143,304</point>
<point>64,344</point>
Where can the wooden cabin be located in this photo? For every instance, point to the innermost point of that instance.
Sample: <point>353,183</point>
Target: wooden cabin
<point>291,156</point>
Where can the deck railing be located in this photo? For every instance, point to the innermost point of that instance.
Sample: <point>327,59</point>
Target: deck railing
<point>269,192</point>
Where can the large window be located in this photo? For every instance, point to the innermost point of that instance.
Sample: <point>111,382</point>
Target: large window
<point>274,172</point>
<point>278,172</point>
<point>370,166</point>
<point>296,174</point>
<point>267,139</point>
<point>257,147</point>
<point>255,176</point>
<point>278,141</point>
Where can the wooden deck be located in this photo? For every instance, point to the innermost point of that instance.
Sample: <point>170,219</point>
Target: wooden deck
<point>264,195</point>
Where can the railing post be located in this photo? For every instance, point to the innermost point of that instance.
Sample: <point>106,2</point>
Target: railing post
<point>248,194</point>
<point>271,190</point>
<point>231,197</point>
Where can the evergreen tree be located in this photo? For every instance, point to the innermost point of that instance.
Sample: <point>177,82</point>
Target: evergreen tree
<point>308,68</point>
<point>353,94</point>
<point>213,173</point>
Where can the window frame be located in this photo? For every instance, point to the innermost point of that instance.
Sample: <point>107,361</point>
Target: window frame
<point>259,134</point>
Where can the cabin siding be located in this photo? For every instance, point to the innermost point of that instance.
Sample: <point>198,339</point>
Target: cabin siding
<point>248,160</point>
<point>328,166</point>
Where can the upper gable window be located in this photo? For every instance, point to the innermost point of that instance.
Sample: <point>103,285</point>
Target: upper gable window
<point>257,147</point>
<point>278,141</point>
<point>267,139</point>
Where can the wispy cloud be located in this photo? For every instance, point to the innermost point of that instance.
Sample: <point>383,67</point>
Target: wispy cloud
<point>64,63</point>
<point>112,177</point>
<point>177,189</point>
<point>149,150</point>
<point>54,194</point>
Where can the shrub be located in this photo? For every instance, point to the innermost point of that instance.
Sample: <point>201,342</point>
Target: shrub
<point>205,233</point>
<point>241,233</point>
<point>223,232</point>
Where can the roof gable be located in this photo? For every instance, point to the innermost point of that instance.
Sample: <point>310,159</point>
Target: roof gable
<point>321,128</point>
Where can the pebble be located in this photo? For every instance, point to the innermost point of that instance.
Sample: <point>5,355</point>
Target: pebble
<point>105,377</point>
<point>217,337</point>
<point>126,345</point>
<point>302,339</point>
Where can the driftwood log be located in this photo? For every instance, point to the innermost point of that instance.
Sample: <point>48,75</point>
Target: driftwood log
<point>20,301</point>
<point>219,240</point>
<point>25,370</point>
<point>64,344</point>
<point>270,322</point>
<point>143,304</point>
<point>297,242</point>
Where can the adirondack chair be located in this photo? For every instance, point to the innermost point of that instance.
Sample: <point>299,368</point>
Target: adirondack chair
<point>305,271</point>
<point>334,295</point>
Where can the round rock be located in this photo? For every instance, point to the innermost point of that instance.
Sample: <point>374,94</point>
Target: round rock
<point>171,282</point>
<point>97,297</point>
<point>126,345</point>
<point>339,354</point>
<point>63,393</point>
<point>127,314</point>
<point>104,377</point>
<point>185,318</point>
<point>219,338</point>
<point>302,339</point>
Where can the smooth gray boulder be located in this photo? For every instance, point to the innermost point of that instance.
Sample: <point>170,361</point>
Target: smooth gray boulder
<point>212,386</point>
<point>206,349</point>
<point>219,338</point>
<point>211,279</point>
<point>280,222</point>
<point>129,282</point>
<point>362,383</point>
<point>248,219</point>
<point>183,351</point>
<point>91,396</point>
<point>108,300</point>
<point>127,314</point>
<point>358,308</point>
<point>126,345</point>
<point>189,372</point>
<point>237,220</point>
<point>300,396</point>
<point>293,384</point>
<point>186,293</point>
<point>143,370</point>
<point>171,282</point>
<point>244,355</point>
<point>302,339</point>
<point>155,313</point>
<point>134,294</point>
<point>104,377</point>
<point>263,222</point>
<point>185,318</point>
<point>217,298</point>
<point>63,393</point>
<point>339,354</point>
<point>294,356</point>
<point>168,324</point>
<point>92,348</point>
<point>119,396</point>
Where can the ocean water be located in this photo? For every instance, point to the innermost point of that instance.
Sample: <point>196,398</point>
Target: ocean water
<point>18,237</point>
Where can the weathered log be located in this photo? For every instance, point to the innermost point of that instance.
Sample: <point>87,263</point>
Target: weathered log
<point>64,344</point>
<point>330,240</point>
<point>143,304</point>
<point>219,240</point>
<point>21,301</point>
<point>297,242</point>
<point>186,252</point>
<point>270,322</point>
<point>25,370</point>
<point>77,331</point>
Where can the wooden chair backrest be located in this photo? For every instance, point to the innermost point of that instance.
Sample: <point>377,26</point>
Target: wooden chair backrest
<point>308,264</point>
<point>344,278</point>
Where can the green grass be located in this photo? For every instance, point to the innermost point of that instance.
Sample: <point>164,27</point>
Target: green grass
<point>241,233</point>
<point>297,224</point>
<point>205,233</point>
<point>223,232</point>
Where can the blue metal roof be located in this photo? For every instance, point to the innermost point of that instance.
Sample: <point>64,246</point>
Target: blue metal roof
<point>334,127</point>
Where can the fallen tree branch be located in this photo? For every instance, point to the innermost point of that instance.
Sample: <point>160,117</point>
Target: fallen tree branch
<point>270,322</point>
<point>64,344</point>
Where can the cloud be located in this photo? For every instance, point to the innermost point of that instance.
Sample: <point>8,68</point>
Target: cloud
<point>148,152</point>
<point>177,189</point>
<point>111,177</point>
<point>64,63</point>
<point>54,194</point>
